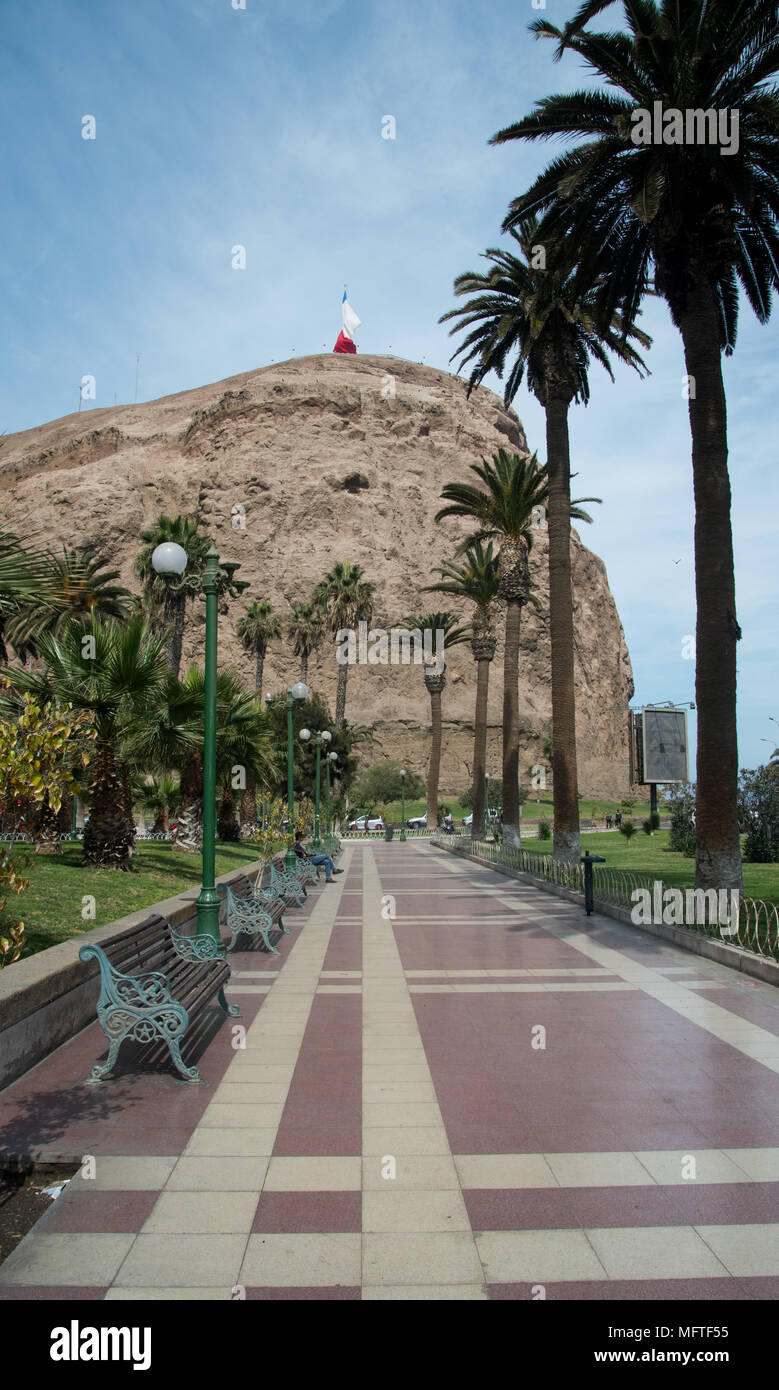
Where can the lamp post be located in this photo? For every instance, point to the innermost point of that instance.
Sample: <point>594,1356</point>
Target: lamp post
<point>332,758</point>
<point>298,691</point>
<point>402,803</point>
<point>170,559</point>
<point>324,736</point>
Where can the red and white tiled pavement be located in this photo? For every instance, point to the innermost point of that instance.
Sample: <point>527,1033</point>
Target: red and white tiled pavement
<point>453,1086</point>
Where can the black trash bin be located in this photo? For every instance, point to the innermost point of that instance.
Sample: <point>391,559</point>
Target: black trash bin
<point>388,832</point>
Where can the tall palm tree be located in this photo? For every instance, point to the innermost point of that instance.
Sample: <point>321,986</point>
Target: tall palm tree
<point>346,599</point>
<point>504,509</point>
<point>537,312</point>
<point>80,583</point>
<point>477,579</point>
<point>454,632</point>
<point>258,626</point>
<point>306,627</point>
<point>114,672</point>
<point>702,215</point>
<point>169,593</point>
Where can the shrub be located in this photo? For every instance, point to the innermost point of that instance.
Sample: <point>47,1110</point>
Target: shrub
<point>543,830</point>
<point>647,826</point>
<point>627,829</point>
<point>682,805</point>
<point>654,820</point>
<point>759,814</point>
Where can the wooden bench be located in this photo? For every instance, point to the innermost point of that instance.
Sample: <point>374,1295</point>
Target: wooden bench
<point>153,982</point>
<point>253,912</point>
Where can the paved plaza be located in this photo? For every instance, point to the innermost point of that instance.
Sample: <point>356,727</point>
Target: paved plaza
<point>453,1086</point>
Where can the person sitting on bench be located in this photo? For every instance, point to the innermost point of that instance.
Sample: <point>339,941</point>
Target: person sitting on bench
<point>315,859</point>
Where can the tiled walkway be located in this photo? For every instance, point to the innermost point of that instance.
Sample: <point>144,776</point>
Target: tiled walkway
<point>453,1086</point>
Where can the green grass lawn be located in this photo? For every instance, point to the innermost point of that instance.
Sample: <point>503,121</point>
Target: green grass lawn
<point>649,854</point>
<point>51,907</point>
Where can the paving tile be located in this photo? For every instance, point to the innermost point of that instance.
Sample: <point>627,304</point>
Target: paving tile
<point>302,1259</point>
<point>134,1173</point>
<point>504,1170</point>
<point>315,1174</point>
<point>66,1259</point>
<point>151,1294</point>
<point>202,1213</point>
<point>417,1172</point>
<point>744,1250</point>
<point>405,1140</point>
<point>308,1212</point>
<point>597,1169</point>
<point>220,1174</point>
<point>185,1261</point>
<point>711,1165</point>
<point>404,1210</point>
<point>655,1252</point>
<point>426,1293</point>
<point>398,1258</point>
<point>537,1256</point>
<point>236,1143</point>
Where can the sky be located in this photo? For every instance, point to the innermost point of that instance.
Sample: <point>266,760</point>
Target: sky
<point>219,127</point>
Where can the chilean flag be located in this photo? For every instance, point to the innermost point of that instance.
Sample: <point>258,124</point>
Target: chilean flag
<point>345,341</point>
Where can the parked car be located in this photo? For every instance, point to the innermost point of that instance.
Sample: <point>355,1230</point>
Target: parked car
<point>366,823</point>
<point>488,815</point>
<point>417,822</point>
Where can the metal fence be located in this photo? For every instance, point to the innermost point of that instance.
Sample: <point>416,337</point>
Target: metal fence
<point>757,929</point>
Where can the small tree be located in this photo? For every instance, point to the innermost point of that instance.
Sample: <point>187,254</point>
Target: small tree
<point>682,807</point>
<point>627,829</point>
<point>758,807</point>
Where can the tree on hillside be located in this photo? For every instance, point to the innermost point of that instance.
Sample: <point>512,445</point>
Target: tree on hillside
<point>168,594</point>
<point>306,628</point>
<point>258,626</point>
<point>346,599</point>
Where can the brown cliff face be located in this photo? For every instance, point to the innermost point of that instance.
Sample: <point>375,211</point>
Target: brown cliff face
<point>331,458</point>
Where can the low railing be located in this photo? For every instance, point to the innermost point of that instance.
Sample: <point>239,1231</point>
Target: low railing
<point>757,929</point>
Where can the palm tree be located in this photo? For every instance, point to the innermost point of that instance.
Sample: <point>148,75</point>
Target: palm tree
<point>170,592</point>
<point>258,626</point>
<point>346,599</point>
<point>25,577</point>
<point>705,219</point>
<point>242,739</point>
<point>453,633</point>
<point>80,584</point>
<point>537,312</point>
<point>114,672</point>
<point>477,580</point>
<point>306,628</point>
<point>514,489</point>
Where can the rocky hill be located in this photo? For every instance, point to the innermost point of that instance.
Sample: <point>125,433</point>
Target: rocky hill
<point>307,462</point>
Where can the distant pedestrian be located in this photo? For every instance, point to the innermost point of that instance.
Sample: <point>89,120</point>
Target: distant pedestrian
<point>608,821</point>
<point>618,819</point>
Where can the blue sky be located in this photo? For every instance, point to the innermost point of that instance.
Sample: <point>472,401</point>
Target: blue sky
<point>218,126</point>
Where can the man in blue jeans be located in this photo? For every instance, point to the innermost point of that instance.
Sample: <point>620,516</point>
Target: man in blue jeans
<point>315,859</point>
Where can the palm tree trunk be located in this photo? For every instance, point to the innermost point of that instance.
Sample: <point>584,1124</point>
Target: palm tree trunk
<point>565,789</point>
<point>340,697</point>
<point>189,836</point>
<point>435,760</point>
<point>480,750</point>
<point>175,612</point>
<point>108,837</point>
<point>304,667</point>
<point>260,664</point>
<point>717,851</point>
<point>511,834</point>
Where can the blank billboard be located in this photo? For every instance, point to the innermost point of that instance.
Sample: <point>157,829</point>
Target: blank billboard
<point>664,745</point>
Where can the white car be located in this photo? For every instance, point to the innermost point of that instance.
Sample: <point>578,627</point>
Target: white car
<point>417,822</point>
<point>488,815</point>
<point>366,823</point>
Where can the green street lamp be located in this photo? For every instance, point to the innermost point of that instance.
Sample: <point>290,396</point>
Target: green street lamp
<point>170,559</point>
<point>332,758</point>
<point>319,738</point>
<point>402,803</point>
<point>298,691</point>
